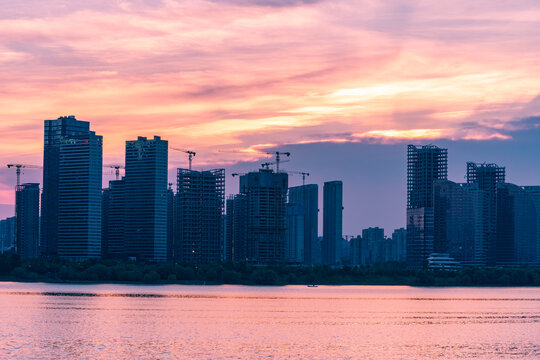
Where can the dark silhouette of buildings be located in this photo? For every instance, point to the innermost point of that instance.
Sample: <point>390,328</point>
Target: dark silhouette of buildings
<point>114,220</point>
<point>27,220</point>
<point>266,197</point>
<point>304,222</point>
<point>57,132</point>
<point>236,228</point>
<point>332,222</point>
<point>424,165</point>
<point>534,193</point>
<point>79,197</point>
<point>487,176</point>
<point>516,243</point>
<point>200,204</point>
<point>146,199</point>
<point>7,234</point>
<point>458,222</point>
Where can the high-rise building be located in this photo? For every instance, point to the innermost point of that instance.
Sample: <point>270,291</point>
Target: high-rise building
<point>56,132</point>
<point>266,196</point>
<point>307,199</point>
<point>486,177</point>
<point>516,243</point>
<point>7,234</point>
<point>424,165</point>
<point>399,236</point>
<point>27,220</point>
<point>332,222</point>
<point>459,214</point>
<point>80,197</point>
<point>146,199</point>
<point>236,228</point>
<point>171,223</point>
<point>534,193</point>
<point>114,220</point>
<point>373,246</point>
<point>294,241</point>
<point>200,204</point>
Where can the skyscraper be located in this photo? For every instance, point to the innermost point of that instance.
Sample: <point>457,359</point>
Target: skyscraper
<point>457,211</point>
<point>486,177</point>
<point>424,165</point>
<point>332,221</point>
<point>146,199</point>
<point>307,199</point>
<point>200,204</point>
<point>80,196</point>
<point>266,196</point>
<point>294,241</point>
<point>171,223</point>
<point>534,192</point>
<point>114,220</point>
<point>27,220</point>
<point>56,132</point>
<point>516,243</point>
<point>236,228</point>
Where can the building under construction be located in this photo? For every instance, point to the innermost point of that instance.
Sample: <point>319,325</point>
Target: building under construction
<point>199,216</point>
<point>424,165</point>
<point>266,198</point>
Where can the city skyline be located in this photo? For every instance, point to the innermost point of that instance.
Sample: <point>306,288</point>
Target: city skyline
<point>337,79</point>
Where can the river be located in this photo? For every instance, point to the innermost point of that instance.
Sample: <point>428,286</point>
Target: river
<point>71,321</point>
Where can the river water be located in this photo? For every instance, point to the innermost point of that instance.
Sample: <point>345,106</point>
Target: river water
<point>58,321</point>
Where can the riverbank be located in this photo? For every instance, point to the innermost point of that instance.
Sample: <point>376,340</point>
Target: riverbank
<point>110,271</point>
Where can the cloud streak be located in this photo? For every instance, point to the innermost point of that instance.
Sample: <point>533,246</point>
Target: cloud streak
<point>236,74</point>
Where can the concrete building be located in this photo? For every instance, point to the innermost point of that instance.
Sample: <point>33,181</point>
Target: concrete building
<point>7,235</point>
<point>399,236</point>
<point>114,220</point>
<point>56,132</point>
<point>486,177</point>
<point>200,205</point>
<point>146,199</point>
<point>534,193</point>
<point>171,224</point>
<point>332,222</point>
<point>79,197</point>
<point>459,215</point>
<point>236,228</point>
<point>27,220</point>
<point>266,198</point>
<point>516,243</point>
<point>424,165</point>
<point>307,199</point>
<point>295,238</point>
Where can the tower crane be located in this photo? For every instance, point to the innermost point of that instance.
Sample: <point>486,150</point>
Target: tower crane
<point>266,165</point>
<point>116,168</point>
<point>18,168</point>
<point>304,174</point>
<point>278,157</point>
<point>191,154</point>
<point>277,154</point>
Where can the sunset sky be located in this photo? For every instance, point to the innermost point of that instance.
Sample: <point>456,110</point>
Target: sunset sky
<point>343,85</point>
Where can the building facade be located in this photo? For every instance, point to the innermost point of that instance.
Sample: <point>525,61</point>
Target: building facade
<point>332,222</point>
<point>56,132</point>
<point>306,198</point>
<point>146,199</point>
<point>424,165</point>
<point>200,206</point>
<point>266,197</point>
<point>80,197</point>
<point>27,220</point>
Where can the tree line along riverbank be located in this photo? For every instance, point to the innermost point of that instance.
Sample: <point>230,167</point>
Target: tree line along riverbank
<point>12,268</point>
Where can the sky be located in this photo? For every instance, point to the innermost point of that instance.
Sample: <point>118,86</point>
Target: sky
<point>343,85</point>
